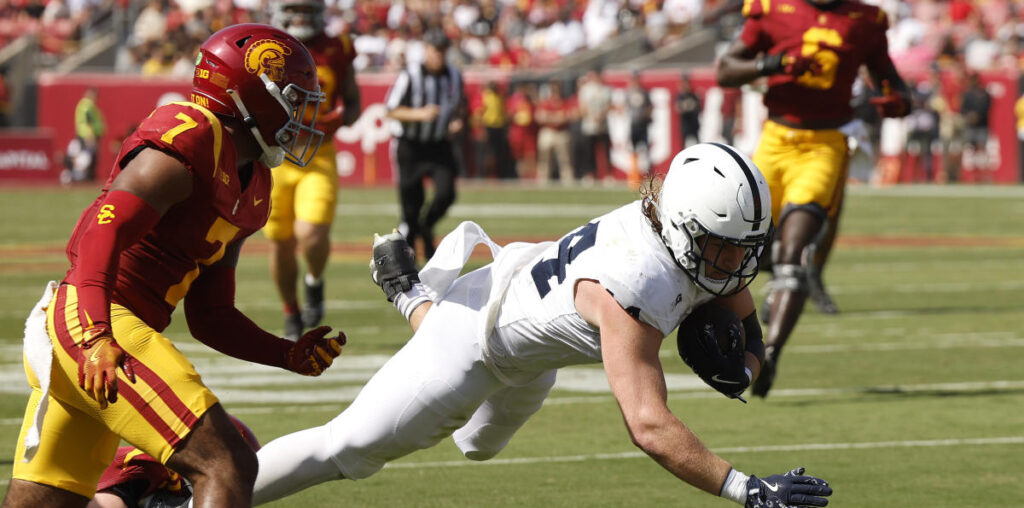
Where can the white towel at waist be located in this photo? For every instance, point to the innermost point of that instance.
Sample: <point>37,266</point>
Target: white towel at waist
<point>39,356</point>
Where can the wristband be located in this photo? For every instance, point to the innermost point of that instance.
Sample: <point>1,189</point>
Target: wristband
<point>407,302</point>
<point>735,487</point>
<point>769,64</point>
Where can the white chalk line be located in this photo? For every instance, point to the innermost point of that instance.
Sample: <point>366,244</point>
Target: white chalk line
<point>930,443</point>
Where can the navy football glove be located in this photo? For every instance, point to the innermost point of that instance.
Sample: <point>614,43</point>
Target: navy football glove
<point>787,490</point>
<point>711,341</point>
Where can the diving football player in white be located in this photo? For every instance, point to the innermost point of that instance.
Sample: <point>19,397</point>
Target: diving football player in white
<point>485,355</point>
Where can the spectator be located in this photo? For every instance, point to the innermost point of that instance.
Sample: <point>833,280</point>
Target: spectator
<point>922,131</point>
<point>639,110</point>
<point>151,24</point>
<point>522,133</point>
<point>495,121</point>
<point>688,108</point>
<point>1018,110</point>
<point>161,61</point>
<point>951,128</point>
<point>595,99</point>
<point>730,109</point>
<point>553,117</point>
<point>5,102</point>
<point>974,106</point>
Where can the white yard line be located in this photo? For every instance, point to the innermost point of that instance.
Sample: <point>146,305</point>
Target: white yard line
<point>871,445</point>
<point>932,443</point>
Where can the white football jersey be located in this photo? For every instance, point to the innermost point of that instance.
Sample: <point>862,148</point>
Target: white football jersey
<point>538,327</point>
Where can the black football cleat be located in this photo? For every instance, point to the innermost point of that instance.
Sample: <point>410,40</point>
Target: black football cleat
<point>393,266</point>
<point>313,307</point>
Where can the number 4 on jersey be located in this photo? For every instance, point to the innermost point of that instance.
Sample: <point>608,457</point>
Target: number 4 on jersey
<point>569,247</point>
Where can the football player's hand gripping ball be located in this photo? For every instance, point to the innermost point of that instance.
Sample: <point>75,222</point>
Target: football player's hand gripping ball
<point>97,366</point>
<point>787,490</point>
<point>711,340</point>
<point>313,353</point>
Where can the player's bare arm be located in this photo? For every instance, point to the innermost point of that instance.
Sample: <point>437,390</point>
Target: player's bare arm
<point>738,66</point>
<point>408,114</point>
<point>351,97</point>
<point>629,349</point>
<point>157,178</point>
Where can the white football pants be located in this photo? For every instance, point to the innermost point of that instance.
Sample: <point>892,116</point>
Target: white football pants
<point>437,385</point>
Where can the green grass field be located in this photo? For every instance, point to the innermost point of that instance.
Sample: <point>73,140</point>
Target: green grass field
<point>912,396</point>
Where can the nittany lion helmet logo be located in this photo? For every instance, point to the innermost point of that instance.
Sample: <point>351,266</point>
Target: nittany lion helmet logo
<point>267,56</point>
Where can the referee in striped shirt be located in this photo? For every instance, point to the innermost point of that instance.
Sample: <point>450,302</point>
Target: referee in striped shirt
<point>426,104</point>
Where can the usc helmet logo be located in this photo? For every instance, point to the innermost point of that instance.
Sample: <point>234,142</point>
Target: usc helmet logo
<point>267,56</point>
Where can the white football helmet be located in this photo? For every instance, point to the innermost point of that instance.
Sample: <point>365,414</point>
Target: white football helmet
<point>712,191</point>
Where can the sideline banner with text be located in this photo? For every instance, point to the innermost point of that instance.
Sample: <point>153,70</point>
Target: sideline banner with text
<point>27,155</point>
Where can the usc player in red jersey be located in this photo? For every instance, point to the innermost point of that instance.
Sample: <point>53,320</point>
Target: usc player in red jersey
<point>810,52</point>
<point>136,480</point>
<point>188,186</point>
<point>304,198</point>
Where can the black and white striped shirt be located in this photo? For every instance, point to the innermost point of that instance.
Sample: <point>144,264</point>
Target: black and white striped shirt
<point>416,88</point>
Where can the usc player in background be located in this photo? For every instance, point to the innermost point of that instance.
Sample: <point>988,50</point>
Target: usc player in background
<point>303,198</point>
<point>188,186</point>
<point>810,52</point>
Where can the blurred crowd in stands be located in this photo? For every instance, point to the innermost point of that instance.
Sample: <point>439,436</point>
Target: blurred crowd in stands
<point>944,43</point>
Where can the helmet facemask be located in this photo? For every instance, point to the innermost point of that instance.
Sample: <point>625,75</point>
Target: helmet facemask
<point>706,261</point>
<point>298,139</point>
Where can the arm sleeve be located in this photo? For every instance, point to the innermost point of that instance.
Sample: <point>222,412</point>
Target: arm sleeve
<point>753,34</point>
<point>214,320</point>
<point>753,333</point>
<point>396,96</point>
<point>122,220</point>
<point>877,58</point>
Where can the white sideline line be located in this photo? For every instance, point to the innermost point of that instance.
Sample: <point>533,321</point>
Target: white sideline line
<point>519,210</point>
<point>983,441</point>
<point>708,393</point>
<point>336,396</point>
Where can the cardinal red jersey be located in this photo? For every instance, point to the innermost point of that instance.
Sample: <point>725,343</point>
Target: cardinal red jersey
<point>333,57</point>
<point>839,39</point>
<point>156,273</point>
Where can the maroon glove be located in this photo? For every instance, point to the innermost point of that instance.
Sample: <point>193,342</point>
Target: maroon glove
<point>312,353</point>
<point>797,65</point>
<point>97,369</point>
<point>891,104</point>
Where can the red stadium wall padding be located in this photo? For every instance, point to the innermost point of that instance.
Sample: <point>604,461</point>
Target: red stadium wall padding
<point>27,155</point>
<point>363,149</point>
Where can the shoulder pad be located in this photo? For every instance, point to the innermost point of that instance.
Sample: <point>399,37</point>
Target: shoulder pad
<point>756,8</point>
<point>189,131</point>
<point>347,47</point>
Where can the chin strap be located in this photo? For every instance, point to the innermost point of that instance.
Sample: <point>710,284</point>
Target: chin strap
<point>272,156</point>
